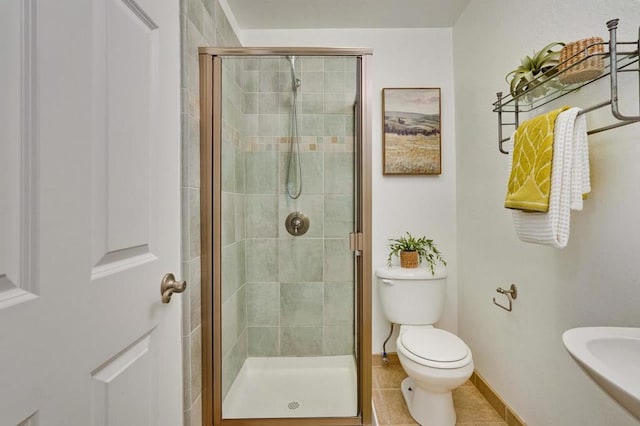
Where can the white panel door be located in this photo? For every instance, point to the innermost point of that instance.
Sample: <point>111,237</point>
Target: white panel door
<point>89,212</point>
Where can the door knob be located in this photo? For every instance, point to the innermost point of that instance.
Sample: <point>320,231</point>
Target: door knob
<point>169,285</point>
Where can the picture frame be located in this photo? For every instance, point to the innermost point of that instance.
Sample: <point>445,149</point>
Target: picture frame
<point>411,129</point>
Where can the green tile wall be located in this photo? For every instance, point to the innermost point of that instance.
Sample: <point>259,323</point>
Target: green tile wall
<point>203,23</point>
<point>300,292</point>
<point>234,224</point>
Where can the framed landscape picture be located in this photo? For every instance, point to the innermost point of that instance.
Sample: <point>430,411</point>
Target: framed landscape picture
<point>411,137</point>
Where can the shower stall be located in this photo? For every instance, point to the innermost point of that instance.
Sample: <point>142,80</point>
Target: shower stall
<point>286,236</point>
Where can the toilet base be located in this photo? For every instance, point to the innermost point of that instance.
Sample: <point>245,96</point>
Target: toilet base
<point>428,408</point>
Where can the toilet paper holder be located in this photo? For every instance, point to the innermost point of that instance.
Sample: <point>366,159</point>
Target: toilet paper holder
<point>511,294</point>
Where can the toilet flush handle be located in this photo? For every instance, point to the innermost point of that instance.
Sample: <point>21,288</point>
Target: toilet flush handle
<point>388,282</point>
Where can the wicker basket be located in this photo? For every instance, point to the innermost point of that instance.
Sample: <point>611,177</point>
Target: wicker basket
<point>409,259</point>
<point>585,69</point>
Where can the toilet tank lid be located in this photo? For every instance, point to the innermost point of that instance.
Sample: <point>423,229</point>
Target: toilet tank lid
<point>419,273</point>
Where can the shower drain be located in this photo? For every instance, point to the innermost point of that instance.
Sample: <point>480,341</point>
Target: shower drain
<point>293,405</point>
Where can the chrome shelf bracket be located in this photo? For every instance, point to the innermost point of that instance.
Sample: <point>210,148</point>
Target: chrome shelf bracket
<point>620,61</point>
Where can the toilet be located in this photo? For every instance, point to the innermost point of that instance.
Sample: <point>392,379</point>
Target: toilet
<point>436,361</point>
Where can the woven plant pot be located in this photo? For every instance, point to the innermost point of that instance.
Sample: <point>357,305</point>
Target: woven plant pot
<point>584,69</point>
<point>409,259</point>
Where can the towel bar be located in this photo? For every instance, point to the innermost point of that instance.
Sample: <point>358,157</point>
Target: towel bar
<point>619,61</point>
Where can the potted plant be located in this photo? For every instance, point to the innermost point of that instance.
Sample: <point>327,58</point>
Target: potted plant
<point>534,71</point>
<point>413,250</point>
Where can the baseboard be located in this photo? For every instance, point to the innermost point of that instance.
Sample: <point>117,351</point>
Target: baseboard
<point>496,401</point>
<point>502,408</point>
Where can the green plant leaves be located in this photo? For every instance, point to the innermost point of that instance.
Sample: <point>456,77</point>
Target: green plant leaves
<point>425,247</point>
<point>534,71</point>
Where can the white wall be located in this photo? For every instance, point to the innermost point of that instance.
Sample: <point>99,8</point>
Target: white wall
<point>596,279</point>
<point>421,205</point>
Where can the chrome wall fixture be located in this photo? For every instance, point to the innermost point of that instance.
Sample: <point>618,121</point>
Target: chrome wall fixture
<point>297,223</point>
<point>620,60</point>
<point>294,166</point>
<point>511,294</point>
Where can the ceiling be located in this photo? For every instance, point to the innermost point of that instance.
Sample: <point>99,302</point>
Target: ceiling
<point>309,14</point>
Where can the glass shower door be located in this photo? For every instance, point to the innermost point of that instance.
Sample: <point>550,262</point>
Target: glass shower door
<point>287,200</point>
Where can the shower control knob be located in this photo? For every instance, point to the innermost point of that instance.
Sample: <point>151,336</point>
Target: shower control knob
<point>297,224</point>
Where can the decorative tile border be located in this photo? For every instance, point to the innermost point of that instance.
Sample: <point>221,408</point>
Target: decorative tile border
<point>307,143</point>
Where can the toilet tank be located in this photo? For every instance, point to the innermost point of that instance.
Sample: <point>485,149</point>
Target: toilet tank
<point>412,296</point>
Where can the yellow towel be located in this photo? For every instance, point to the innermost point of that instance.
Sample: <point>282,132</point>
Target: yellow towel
<point>530,179</point>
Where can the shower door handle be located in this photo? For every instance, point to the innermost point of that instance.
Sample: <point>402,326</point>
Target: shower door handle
<point>169,285</point>
<point>356,242</point>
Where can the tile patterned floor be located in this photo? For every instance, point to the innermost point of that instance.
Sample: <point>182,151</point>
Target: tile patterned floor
<point>472,409</point>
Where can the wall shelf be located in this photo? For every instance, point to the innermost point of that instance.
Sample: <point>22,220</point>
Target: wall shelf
<point>619,57</point>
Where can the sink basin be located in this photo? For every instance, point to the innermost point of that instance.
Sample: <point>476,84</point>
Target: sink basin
<point>611,356</point>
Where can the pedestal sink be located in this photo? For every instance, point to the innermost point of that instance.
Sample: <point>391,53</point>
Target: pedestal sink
<point>611,356</point>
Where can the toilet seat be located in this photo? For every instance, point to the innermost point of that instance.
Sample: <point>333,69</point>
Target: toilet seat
<point>435,348</point>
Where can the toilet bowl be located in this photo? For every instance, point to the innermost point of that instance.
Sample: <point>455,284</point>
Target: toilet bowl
<point>436,361</point>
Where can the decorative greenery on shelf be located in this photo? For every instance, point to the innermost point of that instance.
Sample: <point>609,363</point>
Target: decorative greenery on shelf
<point>539,68</point>
<point>425,248</point>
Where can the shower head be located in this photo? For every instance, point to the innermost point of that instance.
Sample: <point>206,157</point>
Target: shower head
<point>295,82</point>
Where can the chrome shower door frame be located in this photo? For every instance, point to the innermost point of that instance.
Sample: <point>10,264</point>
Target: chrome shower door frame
<point>211,228</point>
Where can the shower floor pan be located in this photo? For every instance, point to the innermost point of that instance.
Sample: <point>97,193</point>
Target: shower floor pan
<point>293,387</point>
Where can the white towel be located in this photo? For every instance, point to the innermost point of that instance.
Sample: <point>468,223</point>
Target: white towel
<point>569,181</point>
